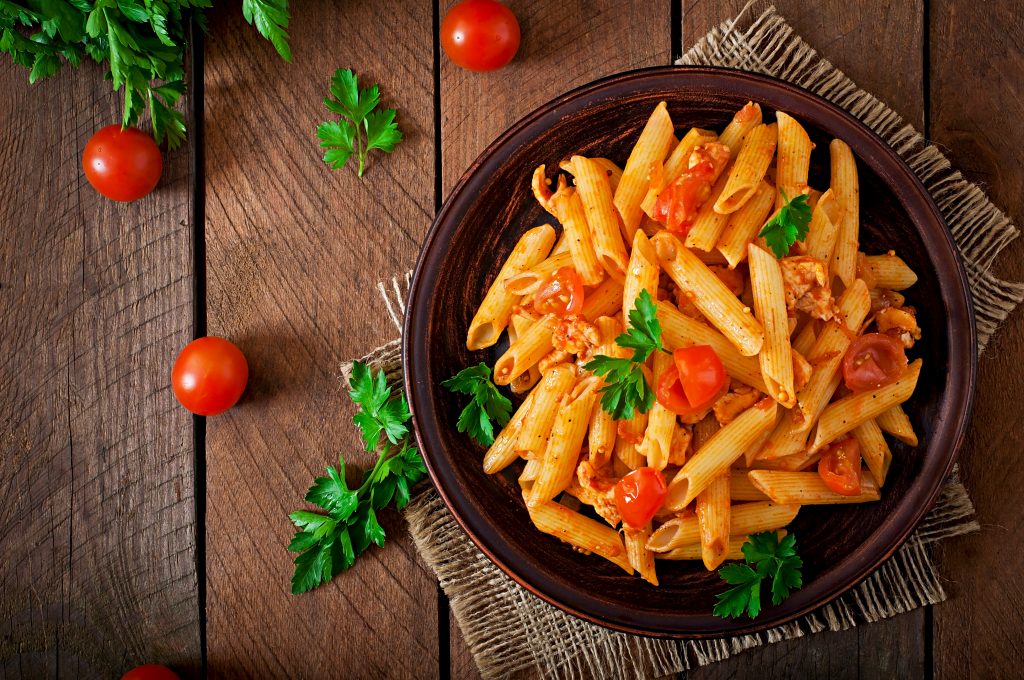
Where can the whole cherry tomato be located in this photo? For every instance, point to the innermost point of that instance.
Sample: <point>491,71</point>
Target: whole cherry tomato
<point>151,671</point>
<point>561,293</point>
<point>873,360</point>
<point>839,467</point>
<point>122,164</point>
<point>480,35</point>
<point>639,495</point>
<point>209,376</point>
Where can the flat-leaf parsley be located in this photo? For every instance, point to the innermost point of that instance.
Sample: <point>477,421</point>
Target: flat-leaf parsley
<point>766,557</point>
<point>487,403</point>
<point>788,226</point>
<point>361,128</point>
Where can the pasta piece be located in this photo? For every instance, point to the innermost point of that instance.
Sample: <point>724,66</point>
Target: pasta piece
<point>747,518</point>
<point>582,532</point>
<point>503,452</point>
<point>640,558</point>
<point>604,300</point>
<point>679,330</point>
<point>745,120</point>
<point>742,489</point>
<point>734,551</point>
<point>713,516</point>
<point>719,453</point>
<point>675,164</point>
<point>874,450</point>
<point>846,187</point>
<point>770,307</point>
<point>804,340</point>
<point>707,292</point>
<point>652,147</point>
<point>752,451</point>
<point>823,231</point>
<point>521,321</point>
<point>641,274</point>
<point>569,211</point>
<point>493,314</point>
<point>611,170</point>
<point>827,354</point>
<point>890,271</point>
<point>596,195</point>
<point>807,488</point>
<point>565,442</point>
<point>896,422</point>
<point>708,225</point>
<point>794,159</point>
<point>630,434</point>
<point>745,224</point>
<point>789,437</point>
<point>529,281</point>
<point>661,423</point>
<point>529,348</point>
<point>533,437</point>
<point>844,415</point>
<point>601,435</point>
<point>749,169</point>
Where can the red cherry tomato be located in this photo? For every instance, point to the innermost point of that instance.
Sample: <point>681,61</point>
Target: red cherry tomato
<point>481,35</point>
<point>873,360</point>
<point>123,165</point>
<point>678,203</point>
<point>701,374</point>
<point>839,467</point>
<point>669,393</point>
<point>561,293</point>
<point>639,495</point>
<point>209,376</point>
<point>151,671</point>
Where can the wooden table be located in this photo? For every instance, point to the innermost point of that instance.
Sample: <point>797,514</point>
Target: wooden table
<point>131,532</point>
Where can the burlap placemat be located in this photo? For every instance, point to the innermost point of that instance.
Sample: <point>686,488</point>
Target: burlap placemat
<point>512,632</point>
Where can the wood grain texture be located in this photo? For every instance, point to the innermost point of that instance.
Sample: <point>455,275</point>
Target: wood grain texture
<point>97,527</point>
<point>849,34</point>
<point>294,253</point>
<point>564,45</point>
<point>977,634</point>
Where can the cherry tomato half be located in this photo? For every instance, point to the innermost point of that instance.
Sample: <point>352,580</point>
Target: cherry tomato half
<point>873,360</point>
<point>151,671</point>
<point>209,376</point>
<point>669,393</point>
<point>123,165</point>
<point>480,35</point>
<point>639,495</point>
<point>701,374</point>
<point>561,293</point>
<point>839,467</point>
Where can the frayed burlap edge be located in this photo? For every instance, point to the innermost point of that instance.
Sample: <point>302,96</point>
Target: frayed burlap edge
<point>511,632</point>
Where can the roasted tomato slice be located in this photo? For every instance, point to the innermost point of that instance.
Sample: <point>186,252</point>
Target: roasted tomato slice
<point>561,293</point>
<point>873,360</point>
<point>839,467</point>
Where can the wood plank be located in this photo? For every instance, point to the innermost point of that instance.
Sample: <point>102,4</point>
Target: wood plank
<point>850,35</point>
<point>294,252</point>
<point>97,550</point>
<point>976,69</point>
<point>564,45</point>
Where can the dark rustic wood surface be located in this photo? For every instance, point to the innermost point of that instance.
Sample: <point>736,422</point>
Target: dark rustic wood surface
<point>101,567</point>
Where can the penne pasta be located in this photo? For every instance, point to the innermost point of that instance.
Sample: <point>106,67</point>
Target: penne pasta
<point>707,292</point>
<point>630,434</point>
<point>794,159</point>
<point>521,321</point>
<point>640,558</point>
<point>581,532</point>
<point>604,300</point>
<point>494,312</point>
<point>749,169</point>
<point>846,188</point>
<point>807,488</point>
<point>742,489</point>
<point>595,193</point>
<point>675,164</point>
<point>844,415</point>
<point>746,518</point>
<point>503,452</point>
<point>529,281</point>
<point>569,210</point>
<point>719,453</point>
<point>824,228</point>
<point>533,436</point>
<point>641,274</point>
<point>745,120</point>
<point>745,224</point>
<point>713,516</point>
<point>708,225</point>
<point>652,147</point>
<point>890,271</point>
<point>776,356</point>
<point>564,443</point>
<point>734,551</point>
<point>661,423</point>
<point>896,422</point>
<point>601,436</point>
<point>874,450</point>
<point>528,349</point>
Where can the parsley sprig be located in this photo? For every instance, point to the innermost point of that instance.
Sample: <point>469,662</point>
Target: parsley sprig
<point>330,541</point>
<point>626,390</point>
<point>766,558</point>
<point>487,403</point>
<point>788,226</point>
<point>361,128</point>
<point>141,41</point>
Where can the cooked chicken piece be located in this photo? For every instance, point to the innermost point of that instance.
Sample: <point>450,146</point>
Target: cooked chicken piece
<point>805,282</point>
<point>680,449</point>
<point>802,370</point>
<point>736,401</point>
<point>596,488</point>
<point>575,335</point>
<point>900,323</point>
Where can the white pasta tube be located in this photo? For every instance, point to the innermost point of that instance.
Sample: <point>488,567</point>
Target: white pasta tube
<point>807,488</point>
<point>652,147</point>
<point>494,312</point>
<point>749,169</point>
<point>846,188</point>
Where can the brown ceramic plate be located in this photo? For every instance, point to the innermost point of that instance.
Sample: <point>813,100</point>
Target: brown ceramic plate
<point>477,228</point>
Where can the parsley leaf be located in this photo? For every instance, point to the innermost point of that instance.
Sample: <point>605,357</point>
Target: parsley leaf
<point>788,226</point>
<point>626,390</point>
<point>361,128</point>
<point>271,20</point>
<point>487,403</point>
<point>770,558</point>
<point>329,541</point>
